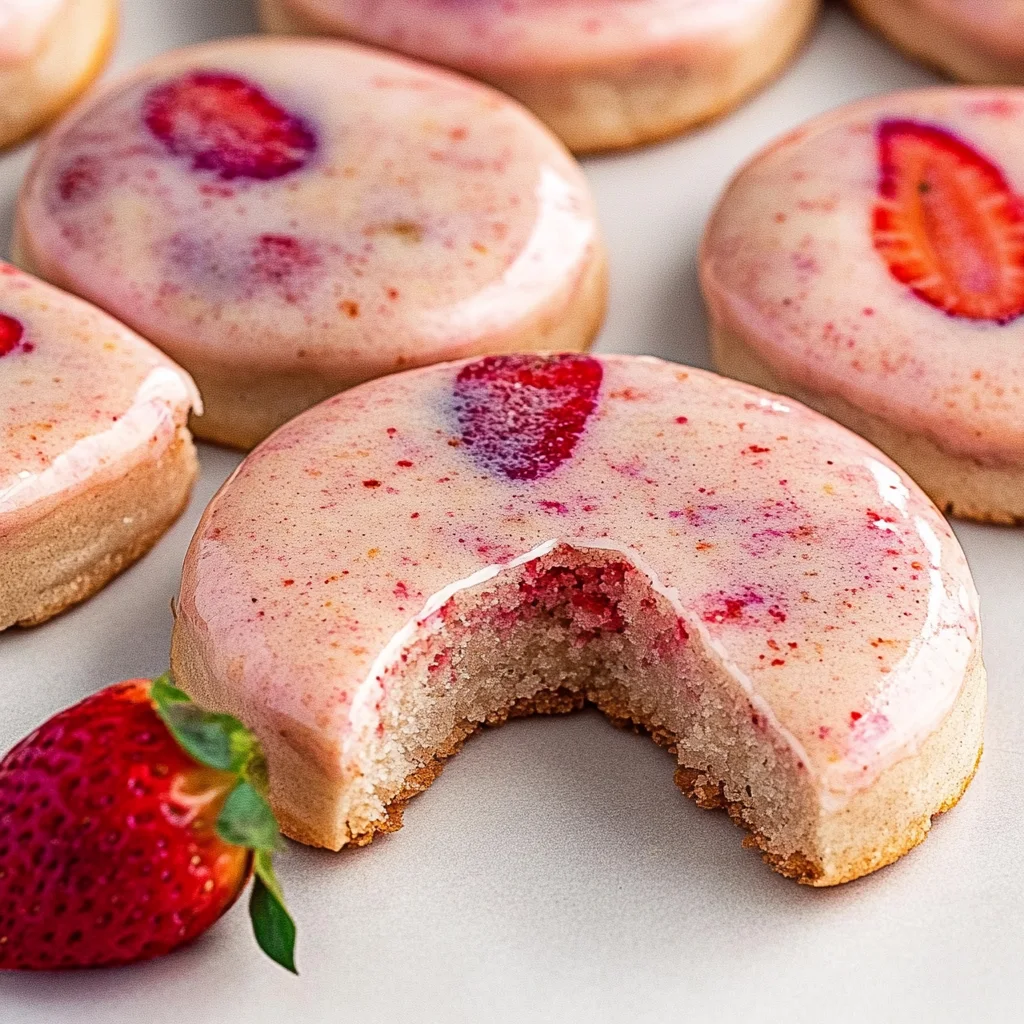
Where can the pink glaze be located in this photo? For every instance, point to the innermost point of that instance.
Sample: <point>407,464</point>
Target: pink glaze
<point>821,577</point>
<point>23,23</point>
<point>528,37</point>
<point>81,397</point>
<point>309,206</point>
<point>790,261</point>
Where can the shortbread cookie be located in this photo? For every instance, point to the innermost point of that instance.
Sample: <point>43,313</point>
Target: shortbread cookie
<point>95,459</point>
<point>50,50</point>
<point>973,40</point>
<point>288,218</point>
<point>871,264</point>
<point>434,551</point>
<point>604,74</point>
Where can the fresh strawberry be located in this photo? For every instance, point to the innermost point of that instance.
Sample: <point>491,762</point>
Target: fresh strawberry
<point>128,824</point>
<point>948,224</point>
<point>227,125</point>
<point>523,415</point>
<point>11,332</point>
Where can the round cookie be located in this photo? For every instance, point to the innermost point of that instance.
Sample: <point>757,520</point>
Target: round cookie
<point>980,41</point>
<point>604,74</point>
<point>288,218</point>
<point>95,459</point>
<point>436,550</point>
<point>871,264</point>
<point>50,50</point>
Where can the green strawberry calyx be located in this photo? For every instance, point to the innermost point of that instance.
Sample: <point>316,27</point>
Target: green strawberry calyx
<point>221,741</point>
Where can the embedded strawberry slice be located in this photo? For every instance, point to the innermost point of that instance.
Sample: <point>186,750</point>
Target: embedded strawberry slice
<point>227,125</point>
<point>948,223</point>
<point>523,415</point>
<point>11,332</point>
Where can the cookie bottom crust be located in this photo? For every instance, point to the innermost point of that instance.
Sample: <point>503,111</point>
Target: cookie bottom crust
<point>939,46</point>
<point>606,109</point>
<point>78,545</point>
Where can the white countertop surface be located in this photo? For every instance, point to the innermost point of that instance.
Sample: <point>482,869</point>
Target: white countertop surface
<point>554,872</point>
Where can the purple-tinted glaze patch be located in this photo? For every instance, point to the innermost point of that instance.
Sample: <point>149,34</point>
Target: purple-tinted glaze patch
<point>282,261</point>
<point>11,333</point>
<point>80,180</point>
<point>523,415</point>
<point>227,125</point>
<point>276,262</point>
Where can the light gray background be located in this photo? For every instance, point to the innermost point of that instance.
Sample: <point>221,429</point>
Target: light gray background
<point>554,873</point>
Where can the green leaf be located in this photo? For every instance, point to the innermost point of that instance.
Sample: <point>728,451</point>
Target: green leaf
<point>271,922</point>
<point>247,820</point>
<point>219,741</point>
<point>164,692</point>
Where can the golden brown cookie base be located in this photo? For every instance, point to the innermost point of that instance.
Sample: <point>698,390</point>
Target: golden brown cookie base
<point>925,40</point>
<point>81,543</point>
<point>604,109</point>
<point>706,792</point>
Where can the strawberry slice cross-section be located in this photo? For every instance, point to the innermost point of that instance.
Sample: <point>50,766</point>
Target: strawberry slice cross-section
<point>948,223</point>
<point>521,416</point>
<point>227,125</point>
<point>11,333</point>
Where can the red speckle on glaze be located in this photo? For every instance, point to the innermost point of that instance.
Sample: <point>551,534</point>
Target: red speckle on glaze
<point>227,125</point>
<point>277,259</point>
<point>722,607</point>
<point>523,415</point>
<point>80,180</point>
<point>11,333</point>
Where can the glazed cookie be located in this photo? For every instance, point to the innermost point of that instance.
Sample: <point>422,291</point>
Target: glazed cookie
<point>973,40</point>
<point>604,74</point>
<point>437,550</point>
<point>871,264</point>
<point>289,218</point>
<point>50,50</point>
<point>95,459</point>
